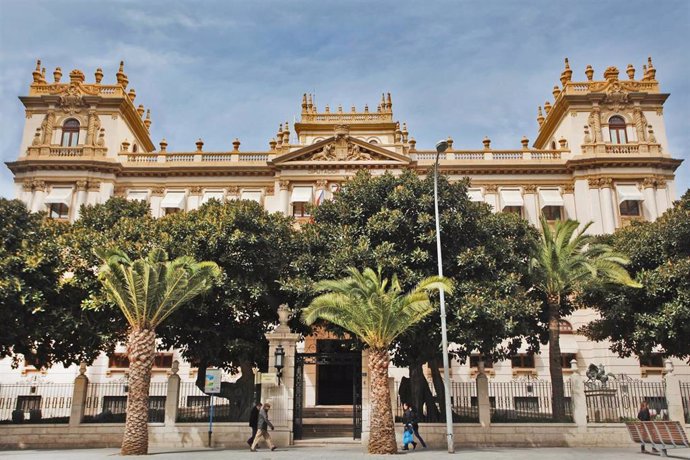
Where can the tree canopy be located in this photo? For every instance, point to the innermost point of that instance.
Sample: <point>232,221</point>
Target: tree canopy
<point>657,315</point>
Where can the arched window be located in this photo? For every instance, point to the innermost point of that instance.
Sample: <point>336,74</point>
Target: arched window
<point>553,145</point>
<point>617,130</point>
<point>135,149</point>
<point>565,327</point>
<point>70,133</point>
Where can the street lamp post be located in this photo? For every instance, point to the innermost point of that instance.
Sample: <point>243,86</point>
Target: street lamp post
<point>440,148</point>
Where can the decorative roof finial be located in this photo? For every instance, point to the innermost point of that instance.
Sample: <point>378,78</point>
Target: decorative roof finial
<point>589,71</point>
<point>327,109</point>
<point>340,108</point>
<point>98,75</point>
<point>164,145</point>
<point>487,143</point>
<point>611,73</point>
<point>141,110</point>
<point>147,120</point>
<point>37,73</point>
<point>630,71</point>
<point>547,107</point>
<point>236,145</point>
<point>132,95</point>
<point>272,144</point>
<point>556,92</point>
<point>121,77</point>
<point>413,145</point>
<point>567,73</point>
<point>43,75</point>
<point>525,143</point>
<point>57,75</point>
<point>76,76</point>
<point>366,108</point>
<point>389,102</point>
<point>304,103</point>
<point>562,142</point>
<point>650,69</point>
<point>540,117</point>
<point>199,145</point>
<point>124,147</point>
<point>449,141</point>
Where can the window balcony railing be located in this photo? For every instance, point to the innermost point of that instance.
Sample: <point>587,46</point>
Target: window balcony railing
<point>79,151</point>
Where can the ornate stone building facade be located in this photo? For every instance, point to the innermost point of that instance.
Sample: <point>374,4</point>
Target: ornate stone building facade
<point>601,155</point>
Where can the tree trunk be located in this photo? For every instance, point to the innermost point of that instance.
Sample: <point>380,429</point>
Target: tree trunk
<point>440,388</point>
<point>381,427</point>
<point>555,367</point>
<point>421,394</point>
<point>141,350</point>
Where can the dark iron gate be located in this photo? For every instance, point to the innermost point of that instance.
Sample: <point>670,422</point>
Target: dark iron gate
<point>354,361</point>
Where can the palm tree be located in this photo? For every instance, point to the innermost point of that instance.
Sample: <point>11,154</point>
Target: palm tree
<point>147,291</point>
<point>377,311</point>
<point>565,260</point>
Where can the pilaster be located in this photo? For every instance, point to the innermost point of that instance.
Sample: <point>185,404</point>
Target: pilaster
<point>673,394</point>
<point>37,201</point>
<point>578,397</point>
<point>532,211</point>
<point>173,395</point>
<point>81,383</point>
<point>607,211</point>
<point>484,404</point>
<point>284,196</point>
<point>649,207</point>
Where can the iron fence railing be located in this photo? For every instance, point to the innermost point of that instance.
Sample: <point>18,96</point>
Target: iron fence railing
<point>195,406</point>
<point>36,402</point>
<point>107,402</point>
<point>525,401</point>
<point>620,400</point>
<point>685,394</point>
<point>461,403</point>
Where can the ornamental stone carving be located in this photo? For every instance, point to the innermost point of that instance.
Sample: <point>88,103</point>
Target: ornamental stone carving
<point>196,190</point>
<point>594,122</point>
<point>94,186</point>
<point>82,185</point>
<point>491,188</point>
<point>660,182</point>
<point>640,124</point>
<point>531,188</point>
<point>27,185</point>
<point>605,182</point>
<point>649,182</point>
<point>593,182</point>
<point>157,190</point>
<point>569,188</point>
<point>284,184</point>
<point>321,184</point>
<point>119,190</point>
<point>47,126</point>
<point>233,190</point>
<point>39,186</point>
<point>270,190</point>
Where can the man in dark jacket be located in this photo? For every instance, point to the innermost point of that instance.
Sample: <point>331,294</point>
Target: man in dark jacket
<point>263,424</point>
<point>254,422</point>
<point>410,416</point>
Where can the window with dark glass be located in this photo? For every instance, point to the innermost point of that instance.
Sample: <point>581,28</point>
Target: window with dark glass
<point>630,208</point>
<point>565,327</point>
<point>58,211</point>
<point>617,130</point>
<point>552,212</point>
<point>522,361</point>
<point>474,362</point>
<point>120,360</point>
<point>566,358</point>
<point>169,211</point>
<point>300,209</point>
<point>70,133</point>
<point>652,360</point>
<point>513,209</point>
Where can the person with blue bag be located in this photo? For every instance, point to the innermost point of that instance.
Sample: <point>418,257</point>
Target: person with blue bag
<point>408,437</point>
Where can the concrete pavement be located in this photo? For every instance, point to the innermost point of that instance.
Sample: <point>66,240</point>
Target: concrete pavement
<point>349,452</point>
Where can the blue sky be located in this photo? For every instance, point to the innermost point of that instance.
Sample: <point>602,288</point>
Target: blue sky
<point>220,70</point>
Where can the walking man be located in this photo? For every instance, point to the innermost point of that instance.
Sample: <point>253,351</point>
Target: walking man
<point>410,417</point>
<point>254,422</point>
<point>262,433</point>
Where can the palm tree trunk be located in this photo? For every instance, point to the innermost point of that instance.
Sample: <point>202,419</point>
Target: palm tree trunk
<point>555,366</point>
<point>381,427</point>
<point>141,350</point>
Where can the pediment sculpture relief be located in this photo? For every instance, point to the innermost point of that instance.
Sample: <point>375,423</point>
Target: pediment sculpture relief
<point>349,151</point>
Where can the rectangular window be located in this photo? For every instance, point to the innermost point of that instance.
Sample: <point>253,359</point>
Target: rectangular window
<point>652,360</point>
<point>630,208</point>
<point>474,362</point>
<point>552,212</point>
<point>300,209</point>
<point>566,358</point>
<point>28,403</point>
<point>513,209</point>
<point>522,361</point>
<point>58,211</point>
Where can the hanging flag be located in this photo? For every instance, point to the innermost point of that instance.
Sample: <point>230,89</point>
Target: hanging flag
<point>320,196</point>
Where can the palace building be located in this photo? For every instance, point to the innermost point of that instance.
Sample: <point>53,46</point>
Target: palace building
<point>601,155</point>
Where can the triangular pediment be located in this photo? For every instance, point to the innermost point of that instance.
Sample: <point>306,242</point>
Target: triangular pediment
<point>342,150</point>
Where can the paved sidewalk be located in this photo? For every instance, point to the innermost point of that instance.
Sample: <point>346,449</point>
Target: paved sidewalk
<point>335,452</point>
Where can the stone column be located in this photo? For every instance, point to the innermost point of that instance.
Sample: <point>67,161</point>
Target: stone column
<point>156,198</point>
<point>608,215</point>
<point>569,209</point>
<point>37,202</point>
<point>93,192</point>
<point>578,398</point>
<point>662,197</point>
<point>595,209</point>
<point>649,207</point>
<point>81,197</point>
<point>27,192</point>
<point>173,395</point>
<point>483,402</point>
<point>491,196</point>
<point>532,211</point>
<point>81,384</point>
<point>674,398</point>
<point>281,396</point>
<point>194,199</point>
<point>284,197</point>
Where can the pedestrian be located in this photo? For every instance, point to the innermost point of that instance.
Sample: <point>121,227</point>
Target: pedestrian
<point>644,413</point>
<point>410,417</point>
<point>407,437</point>
<point>262,433</point>
<point>254,422</point>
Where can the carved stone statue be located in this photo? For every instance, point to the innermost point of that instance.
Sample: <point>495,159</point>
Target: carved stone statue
<point>640,125</point>
<point>47,126</point>
<point>594,123</point>
<point>326,153</point>
<point>355,152</point>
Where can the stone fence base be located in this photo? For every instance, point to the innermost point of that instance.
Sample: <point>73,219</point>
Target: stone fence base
<point>225,435</point>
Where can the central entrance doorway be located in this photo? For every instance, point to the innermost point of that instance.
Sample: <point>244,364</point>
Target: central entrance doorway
<point>338,388</point>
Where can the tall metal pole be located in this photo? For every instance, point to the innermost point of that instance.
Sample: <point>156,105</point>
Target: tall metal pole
<point>440,148</point>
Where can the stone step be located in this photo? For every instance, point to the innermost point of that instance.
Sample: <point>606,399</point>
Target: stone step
<point>327,412</point>
<point>327,421</point>
<point>326,431</point>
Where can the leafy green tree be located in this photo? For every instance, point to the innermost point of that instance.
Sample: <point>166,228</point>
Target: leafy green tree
<point>567,260</point>
<point>376,311</point>
<point>147,291</point>
<point>388,221</point>
<point>638,320</point>
<point>41,315</point>
<point>226,328</point>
